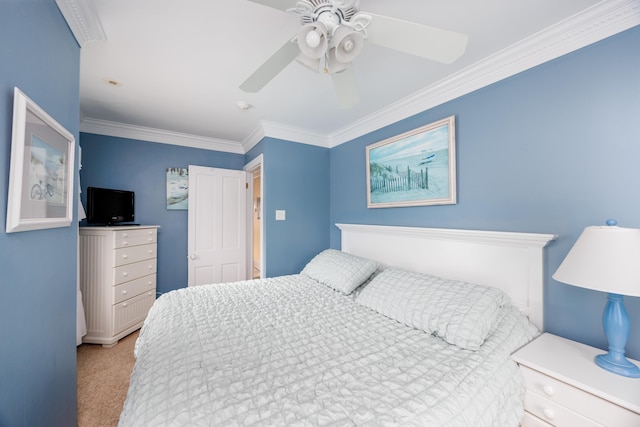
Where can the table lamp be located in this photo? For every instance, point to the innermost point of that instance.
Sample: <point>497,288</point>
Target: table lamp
<point>607,259</point>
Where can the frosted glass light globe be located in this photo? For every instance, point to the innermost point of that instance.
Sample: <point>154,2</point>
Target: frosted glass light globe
<point>313,39</point>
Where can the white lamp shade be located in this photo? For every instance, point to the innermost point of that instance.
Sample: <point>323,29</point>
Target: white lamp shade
<point>604,258</point>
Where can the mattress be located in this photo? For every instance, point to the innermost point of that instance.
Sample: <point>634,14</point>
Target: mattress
<point>293,351</point>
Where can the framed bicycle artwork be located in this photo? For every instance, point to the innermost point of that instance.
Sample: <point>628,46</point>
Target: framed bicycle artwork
<point>41,171</point>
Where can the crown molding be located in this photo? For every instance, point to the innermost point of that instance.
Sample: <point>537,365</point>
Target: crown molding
<point>103,127</point>
<point>276,130</point>
<point>253,138</point>
<point>603,20</point>
<point>82,20</point>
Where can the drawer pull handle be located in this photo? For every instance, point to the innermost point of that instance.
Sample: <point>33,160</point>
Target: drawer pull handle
<point>125,274</point>
<point>151,239</point>
<point>125,235</point>
<point>124,292</point>
<point>125,243</point>
<point>548,413</point>
<point>150,283</point>
<point>150,267</point>
<point>125,256</point>
<point>150,251</point>
<point>548,390</point>
<point>124,304</point>
<point>149,293</point>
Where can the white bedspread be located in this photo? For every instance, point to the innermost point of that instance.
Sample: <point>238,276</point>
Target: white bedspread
<point>291,351</point>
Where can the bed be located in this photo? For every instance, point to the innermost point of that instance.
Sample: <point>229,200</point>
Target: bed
<point>402,326</point>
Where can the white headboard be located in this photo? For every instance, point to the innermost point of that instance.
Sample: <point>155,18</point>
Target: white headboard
<point>513,262</point>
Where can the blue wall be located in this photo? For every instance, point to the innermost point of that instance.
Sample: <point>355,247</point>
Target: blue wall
<point>39,55</point>
<point>296,180</point>
<point>141,166</point>
<point>551,150</point>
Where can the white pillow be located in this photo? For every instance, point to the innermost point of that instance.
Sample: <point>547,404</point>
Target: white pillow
<point>460,313</point>
<point>339,270</point>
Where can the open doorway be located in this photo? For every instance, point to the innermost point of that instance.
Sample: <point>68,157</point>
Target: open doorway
<point>255,205</point>
<point>257,217</point>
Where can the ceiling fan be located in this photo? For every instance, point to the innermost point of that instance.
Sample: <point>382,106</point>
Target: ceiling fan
<point>333,34</point>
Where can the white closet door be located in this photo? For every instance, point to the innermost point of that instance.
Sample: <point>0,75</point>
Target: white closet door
<point>217,226</point>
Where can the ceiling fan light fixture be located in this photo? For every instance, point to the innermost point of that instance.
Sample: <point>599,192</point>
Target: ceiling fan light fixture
<point>312,40</point>
<point>332,31</point>
<point>348,43</point>
<point>332,35</point>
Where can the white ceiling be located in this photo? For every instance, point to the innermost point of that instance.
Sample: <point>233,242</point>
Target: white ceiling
<point>178,65</point>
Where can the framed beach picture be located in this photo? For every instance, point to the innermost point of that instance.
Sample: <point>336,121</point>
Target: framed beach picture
<point>41,170</point>
<point>177,189</point>
<point>416,168</point>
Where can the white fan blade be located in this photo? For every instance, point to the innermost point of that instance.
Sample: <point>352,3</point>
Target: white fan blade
<point>267,71</point>
<point>416,39</point>
<point>346,87</point>
<point>277,4</point>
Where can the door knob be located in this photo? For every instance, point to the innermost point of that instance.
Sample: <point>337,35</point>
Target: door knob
<point>193,256</point>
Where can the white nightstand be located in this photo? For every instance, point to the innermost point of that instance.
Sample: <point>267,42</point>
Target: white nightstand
<point>566,388</point>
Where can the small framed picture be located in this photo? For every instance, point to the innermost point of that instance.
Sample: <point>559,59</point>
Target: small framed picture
<point>177,189</point>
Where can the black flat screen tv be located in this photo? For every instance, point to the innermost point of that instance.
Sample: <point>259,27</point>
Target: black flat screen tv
<point>109,207</point>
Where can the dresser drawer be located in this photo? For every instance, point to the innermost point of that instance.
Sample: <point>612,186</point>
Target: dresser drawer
<point>129,237</point>
<point>132,311</point>
<point>134,254</point>
<point>546,392</point>
<point>128,272</point>
<point>135,287</point>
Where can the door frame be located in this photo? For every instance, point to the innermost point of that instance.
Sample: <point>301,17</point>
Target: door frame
<point>253,165</point>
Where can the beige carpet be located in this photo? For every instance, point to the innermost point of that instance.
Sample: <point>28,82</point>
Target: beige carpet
<point>103,380</point>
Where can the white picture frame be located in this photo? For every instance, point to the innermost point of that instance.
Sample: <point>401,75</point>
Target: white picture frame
<point>41,174</point>
<point>416,168</point>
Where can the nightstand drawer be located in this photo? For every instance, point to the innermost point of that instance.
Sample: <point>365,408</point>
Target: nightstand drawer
<point>546,392</point>
<point>553,413</point>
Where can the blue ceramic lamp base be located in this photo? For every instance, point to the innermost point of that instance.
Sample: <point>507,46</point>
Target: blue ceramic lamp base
<point>616,327</point>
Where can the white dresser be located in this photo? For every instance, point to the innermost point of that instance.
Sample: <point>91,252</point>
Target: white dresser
<point>566,388</point>
<point>118,280</point>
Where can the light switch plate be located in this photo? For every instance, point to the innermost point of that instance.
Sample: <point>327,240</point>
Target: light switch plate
<point>281,215</point>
